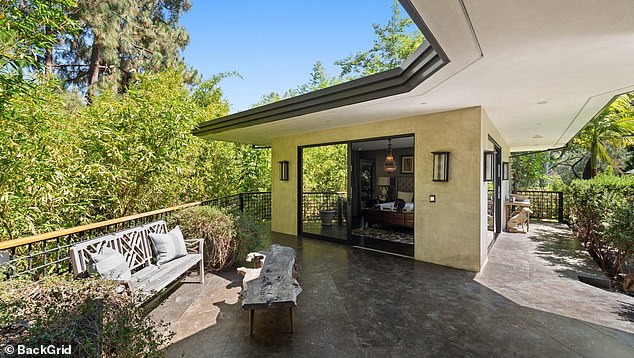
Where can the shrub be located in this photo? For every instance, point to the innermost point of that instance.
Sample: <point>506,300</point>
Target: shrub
<point>250,233</point>
<point>87,314</point>
<point>228,236</point>
<point>602,211</point>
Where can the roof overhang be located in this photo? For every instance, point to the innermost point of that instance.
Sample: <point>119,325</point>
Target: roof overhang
<point>540,69</point>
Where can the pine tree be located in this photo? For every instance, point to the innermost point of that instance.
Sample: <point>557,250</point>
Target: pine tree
<point>119,38</point>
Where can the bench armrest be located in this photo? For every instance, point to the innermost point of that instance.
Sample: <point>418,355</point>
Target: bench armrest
<point>195,245</point>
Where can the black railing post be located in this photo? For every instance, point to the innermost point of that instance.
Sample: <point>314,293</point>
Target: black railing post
<point>560,211</point>
<point>241,202</point>
<point>339,209</point>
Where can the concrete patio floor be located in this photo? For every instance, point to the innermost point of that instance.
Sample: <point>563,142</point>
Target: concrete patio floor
<point>526,302</point>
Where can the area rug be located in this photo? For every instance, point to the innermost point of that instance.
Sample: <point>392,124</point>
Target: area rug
<point>388,234</point>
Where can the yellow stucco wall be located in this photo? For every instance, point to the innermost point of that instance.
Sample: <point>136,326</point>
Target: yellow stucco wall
<point>447,232</point>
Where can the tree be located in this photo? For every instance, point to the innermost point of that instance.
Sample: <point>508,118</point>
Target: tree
<point>270,97</point>
<point>120,38</point>
<point>28,31</point>
<point>325,168</point>
<point>529,170</point>
<point>614,126</point>
<point>319,79</point>
<point>394,43</point>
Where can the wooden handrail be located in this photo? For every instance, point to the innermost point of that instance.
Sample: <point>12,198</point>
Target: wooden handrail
<point>4,245</point>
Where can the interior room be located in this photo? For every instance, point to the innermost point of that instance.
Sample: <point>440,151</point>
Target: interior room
<point>382,210</point>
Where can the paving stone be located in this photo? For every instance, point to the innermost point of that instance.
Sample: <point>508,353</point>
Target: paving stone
<point>357,303</point>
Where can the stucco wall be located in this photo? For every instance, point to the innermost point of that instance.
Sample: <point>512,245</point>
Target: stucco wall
<point>447,232</point>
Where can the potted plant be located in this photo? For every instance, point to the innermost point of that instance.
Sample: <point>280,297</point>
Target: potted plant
<point>325,213</point>
<point>326,217</point>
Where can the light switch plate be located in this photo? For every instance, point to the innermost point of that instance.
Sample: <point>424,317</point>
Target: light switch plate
<point>432,198</point>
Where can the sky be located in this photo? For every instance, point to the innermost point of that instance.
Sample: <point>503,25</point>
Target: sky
<point>273,44</point>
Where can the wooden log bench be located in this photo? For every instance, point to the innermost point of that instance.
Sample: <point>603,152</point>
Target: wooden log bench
<point>274,285</point>
<point>136,247</point>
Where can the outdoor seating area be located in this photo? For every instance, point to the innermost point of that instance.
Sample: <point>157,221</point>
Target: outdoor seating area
<point>453,181</point>
<point>357,302</point>
<point>143,258</point>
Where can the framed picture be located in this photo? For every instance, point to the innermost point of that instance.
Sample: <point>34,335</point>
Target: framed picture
<point>407,164</point>
<point>505,170</point>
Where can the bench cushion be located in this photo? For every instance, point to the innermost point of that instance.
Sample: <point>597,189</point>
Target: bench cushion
<point>110,265</point>
<point>154,278</point>
<point>168,246</point>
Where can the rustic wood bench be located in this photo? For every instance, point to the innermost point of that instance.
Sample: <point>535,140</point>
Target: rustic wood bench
<point>136,247</point>
<point>275,286</point>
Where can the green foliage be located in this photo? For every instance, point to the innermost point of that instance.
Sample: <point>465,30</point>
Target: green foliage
<point>319,79</point>
<point>228,236</point>
<point>250,234</point>
<point>133,144</point>
<point>87,314</point>
<point>394,43</point>
<point>271,97</point>
<point>614,126</point>
<point>600,147</point>
<point>601,209</point>
<point>66,164</point>
<point>119,38</point>
<point>620,231</point>
<point>529,170</point>
<point>325,168</point>
<point>28,29</point>
<point>38,151</point>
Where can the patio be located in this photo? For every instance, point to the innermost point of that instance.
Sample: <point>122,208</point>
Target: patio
<point>356,302</point>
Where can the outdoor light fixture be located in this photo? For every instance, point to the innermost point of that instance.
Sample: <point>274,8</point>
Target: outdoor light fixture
<point>390,164</point>
<point>441,166</point>
<point>284,170</point>
<point>488,165</point>
<point>505,170</point>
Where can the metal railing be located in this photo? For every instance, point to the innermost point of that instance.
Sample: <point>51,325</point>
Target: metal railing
<point>545,205</point>
<point>47,253</point>
<point>314,202</point>
<point>255,204</point>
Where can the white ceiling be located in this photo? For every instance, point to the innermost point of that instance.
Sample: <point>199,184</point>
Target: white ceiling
<point>541,69</point>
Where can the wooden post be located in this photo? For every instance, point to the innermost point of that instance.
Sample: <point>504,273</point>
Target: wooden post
<point>291,314</point>
<point>560,209</point>
<point>251,318</point>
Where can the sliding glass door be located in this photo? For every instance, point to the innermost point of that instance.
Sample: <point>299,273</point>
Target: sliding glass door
<point>323,190</point>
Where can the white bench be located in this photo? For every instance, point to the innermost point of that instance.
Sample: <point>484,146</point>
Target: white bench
<point>136,247</point>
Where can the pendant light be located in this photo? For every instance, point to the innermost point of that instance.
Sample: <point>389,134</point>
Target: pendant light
<point>389,165</point>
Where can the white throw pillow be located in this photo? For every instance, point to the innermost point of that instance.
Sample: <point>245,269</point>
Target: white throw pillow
<point>110,265</point>
<point>168,247</point>
<point>407,196</point>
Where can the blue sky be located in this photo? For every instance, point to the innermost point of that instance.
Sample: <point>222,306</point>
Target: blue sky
<point>273,43</point>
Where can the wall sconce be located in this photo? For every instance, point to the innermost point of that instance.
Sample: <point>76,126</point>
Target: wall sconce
<point>284,170</point>
<point>441,166</point>
<point>505,170</point>
<point>488,165</point>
